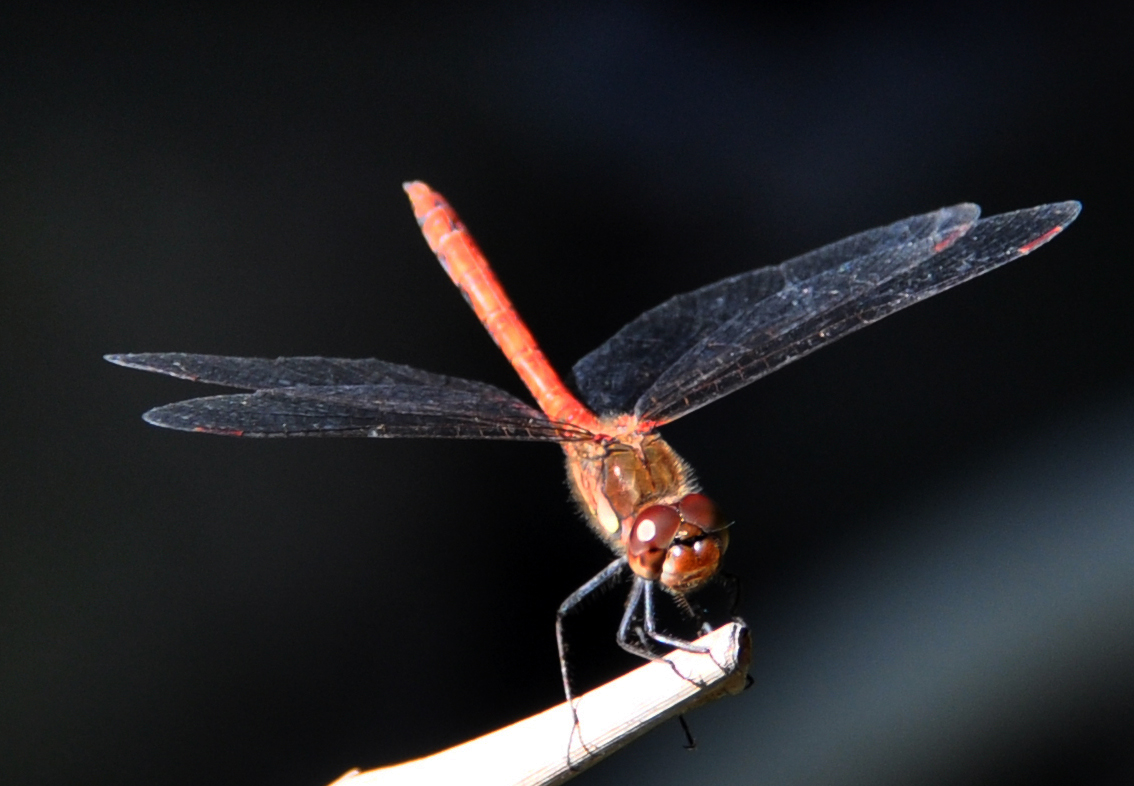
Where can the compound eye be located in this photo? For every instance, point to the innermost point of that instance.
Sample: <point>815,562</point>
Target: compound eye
<point>700,511</point>
<point>688,567</point>
<point>654,528</point>
<point>649,538</point>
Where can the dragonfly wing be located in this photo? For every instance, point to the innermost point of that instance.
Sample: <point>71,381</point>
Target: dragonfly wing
<point>316,396</point>
<point>261,373</point>
<point>383,410</point>
<point>804,317</point>
<point>615,376</point>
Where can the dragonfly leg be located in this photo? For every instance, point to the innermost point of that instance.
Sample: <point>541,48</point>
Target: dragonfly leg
<point>569,605</point>
<point>652,632</point>
<point>690,740</point>
<point>732,586</point>
<point>638,647</point>
<point>642,595</point>
<point>695,613</point>
<point>608,573</point>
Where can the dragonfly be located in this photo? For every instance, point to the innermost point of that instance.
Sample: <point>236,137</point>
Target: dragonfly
<point>635,491</point>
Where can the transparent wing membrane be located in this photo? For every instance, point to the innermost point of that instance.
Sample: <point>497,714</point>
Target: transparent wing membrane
<point>337,397</point>
<point>737,330</point>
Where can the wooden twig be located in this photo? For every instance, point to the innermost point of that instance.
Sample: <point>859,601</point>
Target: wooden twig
<point>534,752</point>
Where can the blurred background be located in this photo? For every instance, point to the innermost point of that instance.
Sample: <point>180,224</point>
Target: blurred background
<point>935,517</point>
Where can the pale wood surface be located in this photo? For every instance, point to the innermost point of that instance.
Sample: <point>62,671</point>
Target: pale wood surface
<point>534,751</point>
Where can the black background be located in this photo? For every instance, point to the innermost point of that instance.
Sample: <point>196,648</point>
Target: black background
<point>934,517</point>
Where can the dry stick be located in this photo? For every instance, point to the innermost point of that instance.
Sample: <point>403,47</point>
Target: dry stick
<point>533,752</point>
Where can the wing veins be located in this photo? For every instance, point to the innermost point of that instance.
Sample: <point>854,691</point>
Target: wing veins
<point>735,363</point>
<point>615,376</point>
<point>341,397</point>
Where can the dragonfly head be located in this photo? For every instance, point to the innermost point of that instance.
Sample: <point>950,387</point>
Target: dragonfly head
<point>679,544</point>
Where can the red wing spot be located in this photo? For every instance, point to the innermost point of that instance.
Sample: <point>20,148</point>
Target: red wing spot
<point>1028,248</point>
<point>222,431</point>
<point>646,426</point>
<point>951,238</point>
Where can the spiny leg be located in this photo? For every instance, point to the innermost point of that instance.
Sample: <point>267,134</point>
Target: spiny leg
<point>643,590</point>
<point>732,587</point>
<point>573,600</point>
<point>634,600</point>
<point>694,613</point>
<point>652,632</point>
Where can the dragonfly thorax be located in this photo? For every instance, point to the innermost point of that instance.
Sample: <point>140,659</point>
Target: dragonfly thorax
<point>640,497</point>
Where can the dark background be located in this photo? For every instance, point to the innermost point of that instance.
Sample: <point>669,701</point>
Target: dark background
<point>935,517</point>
